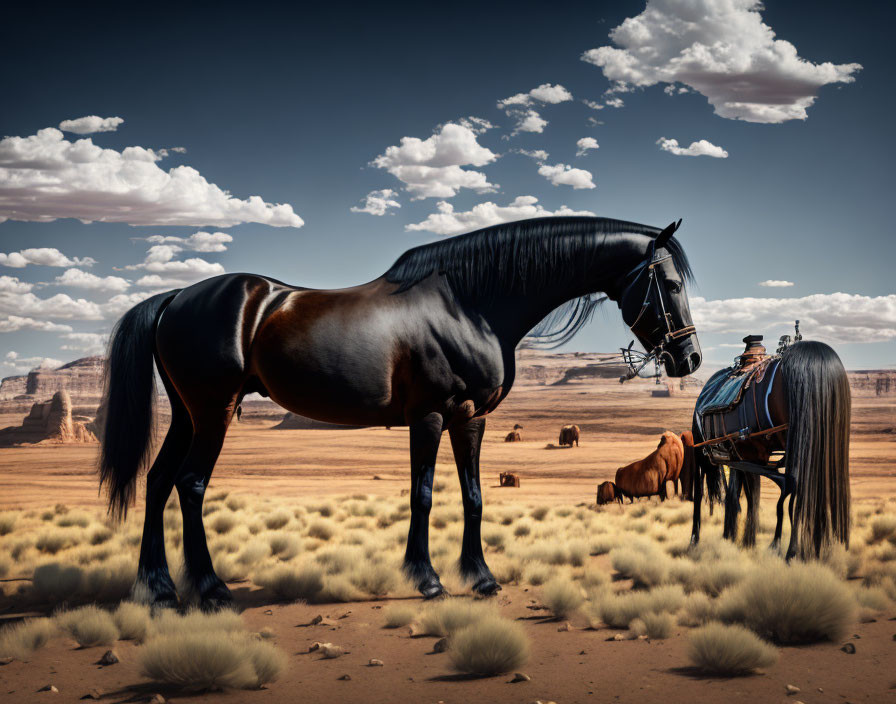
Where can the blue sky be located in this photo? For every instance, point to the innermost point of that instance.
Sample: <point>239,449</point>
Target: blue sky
<point>301,107</point>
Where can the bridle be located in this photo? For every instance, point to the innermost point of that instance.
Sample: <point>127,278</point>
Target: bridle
<point>636,360</point>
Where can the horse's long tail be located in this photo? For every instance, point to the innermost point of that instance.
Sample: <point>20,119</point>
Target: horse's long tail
<point>704,470</point>
<point>818,445</point>
<point>129,398</point>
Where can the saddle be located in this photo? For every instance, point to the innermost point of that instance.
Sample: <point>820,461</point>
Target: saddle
<point>735,400</point>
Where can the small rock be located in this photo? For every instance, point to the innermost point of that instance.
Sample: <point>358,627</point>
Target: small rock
<point>581,652</point>
<point>331,651</point>
<point>267,612</point>
<point>566,627</point>
<point>849,648</point>
<point>346,677</point>
<point>316,620</point>
<point>110,657</point>
<point>521,677</point>
<point>157,699</point>
<point>440,646</point>
<point>48,688</point>
<point>267,633</point>
<point>6,661</point>
<point>619,636</point>
<point>856,636</point>
<point>346,614</point>
<point>821,690</point>
<point>643,638</point>
<point>375,663</point>
<point>791,689</point>
<point>94,693</point>
<point>377,477</point>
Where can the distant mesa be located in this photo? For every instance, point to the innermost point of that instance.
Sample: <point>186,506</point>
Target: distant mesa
<point>83,379</point>
<point>49,422</point>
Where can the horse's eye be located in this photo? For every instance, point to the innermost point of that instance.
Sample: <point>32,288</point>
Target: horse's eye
<point>674,286</point>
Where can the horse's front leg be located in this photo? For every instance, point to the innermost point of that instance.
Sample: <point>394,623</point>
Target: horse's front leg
<point>466,441</point>
<point>425,436</point>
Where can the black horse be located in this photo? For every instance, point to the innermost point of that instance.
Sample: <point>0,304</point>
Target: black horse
<point>430,344</point>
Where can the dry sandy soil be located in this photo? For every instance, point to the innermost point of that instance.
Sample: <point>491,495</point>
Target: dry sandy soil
<point>300,467</point>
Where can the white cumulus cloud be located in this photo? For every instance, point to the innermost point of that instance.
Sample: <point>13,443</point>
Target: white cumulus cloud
<point>829,317</point>
<point>44,177</point>
<point>91,123</point>
<point>545,93</point>
<point>537,154</point>
<point>698,148</point>
<point>776,283</point>
<point>433,167</point>
<point>42,256</point>
<point>378,202</point>
<point>449,222</point>
<point>584,144</point>
<point>197,242</point>
<point>527,121</point>
<point>23,365</point>
<point>85,342</point>
<point>14,323</point>
<point>78,278</point>
<point>12,284</point>
<point>166,271</point>
<point>723,50</point>
<point>564,175</point>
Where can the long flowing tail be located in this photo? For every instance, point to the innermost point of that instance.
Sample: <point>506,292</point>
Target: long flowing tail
<point>129,398</point>
<point>688,465</point>
<point>818,445</point>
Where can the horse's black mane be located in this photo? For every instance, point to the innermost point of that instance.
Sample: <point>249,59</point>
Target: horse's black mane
<point>524,255</point>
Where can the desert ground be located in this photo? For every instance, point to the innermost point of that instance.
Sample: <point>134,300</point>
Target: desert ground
<point>608,599</point>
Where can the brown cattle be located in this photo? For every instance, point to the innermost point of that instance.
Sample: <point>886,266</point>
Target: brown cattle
<point>508,479</point>
<point>648,477</point>
<point>606,493</point>
<point>514,435</point>
<point>569,434</point>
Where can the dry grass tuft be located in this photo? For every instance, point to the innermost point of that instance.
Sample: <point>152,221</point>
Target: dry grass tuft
<point>562,596</point>
<point>375,578</point>
<point>56,582</point>
<point>132,621</point>
<point>446,617</point>
<point>728,650</point>
<point>19,641</point>
<point>491,646</point>
<point>7,523</point>
<point>657,625</point>
<point>698,610</point>
<point>398,616</point>
<point>195,662</point>
<point>293,582</point>
<point>883,527</point>
<point>277,520</point>
<point>796,603</point>
<point>90,626</point>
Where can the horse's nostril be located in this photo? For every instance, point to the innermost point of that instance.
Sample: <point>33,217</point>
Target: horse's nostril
<point>694,361</point>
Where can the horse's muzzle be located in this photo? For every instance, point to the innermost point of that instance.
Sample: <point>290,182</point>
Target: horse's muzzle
<point>683,357</point>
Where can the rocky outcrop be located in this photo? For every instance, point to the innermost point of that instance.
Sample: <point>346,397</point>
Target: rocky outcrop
<point>82,379</point>
<point>49,422</point>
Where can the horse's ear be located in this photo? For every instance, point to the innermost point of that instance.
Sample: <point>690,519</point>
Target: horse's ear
<point>666,234</point>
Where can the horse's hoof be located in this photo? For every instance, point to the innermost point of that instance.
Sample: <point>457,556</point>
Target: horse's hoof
<point>432,590</point>
<point>216,599</point>
<point>163,603</point>
<point>487,587</point>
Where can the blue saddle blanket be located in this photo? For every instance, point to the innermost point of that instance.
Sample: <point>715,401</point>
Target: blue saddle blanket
<point>722,391</point>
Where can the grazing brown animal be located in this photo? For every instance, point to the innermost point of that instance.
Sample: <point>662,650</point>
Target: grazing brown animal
<point>606,493</point>
<point>569,434</point>
<point>508,479</point>
<point>514,435</point>
<point>648,477</point>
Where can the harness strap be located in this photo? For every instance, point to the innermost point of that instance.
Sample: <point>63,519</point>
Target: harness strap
<point>737,434</point>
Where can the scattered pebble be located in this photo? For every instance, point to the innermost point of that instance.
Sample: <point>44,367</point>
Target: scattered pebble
<point>619,636</point>
<point>157,699</point>
<point>267,612</point>
<point>375,663</point>
<point>440,646</point>
<point>566,627</point>
<point>94,693</point>
<point>331,651</point>
<point>110,657</point>
<point>849,648</point>
<point>346,677</point>
<point>6,661</point>
<point>346,614</point>
<point>267,633</point>
<point>521,677</point>
<point>48,688</point>
<point>792,689</point>
<point>581,652</point>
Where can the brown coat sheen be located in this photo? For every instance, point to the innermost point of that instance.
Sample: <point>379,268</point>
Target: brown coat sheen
<point>648,477</point>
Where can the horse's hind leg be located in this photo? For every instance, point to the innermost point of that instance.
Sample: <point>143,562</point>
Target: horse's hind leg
<point>466,441</point>
<point>779,523</point>
<point>191,482</point>
<point>154,585</point>
<point>732,505</point>
<point>751,489</point>
<point>425,436</point>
